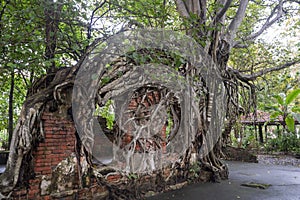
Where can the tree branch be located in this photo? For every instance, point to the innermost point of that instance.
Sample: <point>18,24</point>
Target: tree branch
<point>236,22</point>
<point>202,11</point>
<point>196,9</point>
<point>89,31</point>
<point>182,8</point>
<point>3,10</point>
<point>252,77</point>
<point>270,21</point>
<point>295,1</point>
<point>222,12</point>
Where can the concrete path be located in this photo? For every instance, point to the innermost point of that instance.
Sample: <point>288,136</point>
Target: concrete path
<point>285,181</point>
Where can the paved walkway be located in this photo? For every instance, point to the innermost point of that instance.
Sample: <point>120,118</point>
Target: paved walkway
<point>285,181</point>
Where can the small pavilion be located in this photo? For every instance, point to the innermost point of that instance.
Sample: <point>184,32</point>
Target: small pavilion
<point>262,121</point>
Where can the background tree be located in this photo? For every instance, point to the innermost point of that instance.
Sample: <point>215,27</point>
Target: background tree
<point>37,37</point>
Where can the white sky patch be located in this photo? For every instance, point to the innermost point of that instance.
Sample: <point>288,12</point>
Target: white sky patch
<point>284,35</point>
<point>287,37</point>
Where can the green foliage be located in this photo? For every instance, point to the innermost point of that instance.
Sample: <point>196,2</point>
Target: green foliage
<point>155,13</point>
<point>274,87</point>
<point>3,140</point>
<point>22,45</point>
<point>132,176</point>
<point>287,108</point>
<point>19,96</point>
<point>290,122</point>
<point>267,52</point>
<point>21,52</point>
<point>145,56</point>
<point>292,96</point>
<point>169,124</point>
<point>107,113</point>
<point>194,171</point>
<point>234,140</point>
<point>279,99</point>
<point>248,140</point>
<point>289,143</point>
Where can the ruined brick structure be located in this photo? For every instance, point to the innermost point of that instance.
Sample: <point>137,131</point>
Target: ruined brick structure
<point>56,165</point>
<point>57,152</point>
<point>56,172</point>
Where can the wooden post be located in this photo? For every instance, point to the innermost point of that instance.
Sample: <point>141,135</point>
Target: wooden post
<point>260,132</point>
<point>278,132</point>
<point>255,132</point>
<point>266,133</point>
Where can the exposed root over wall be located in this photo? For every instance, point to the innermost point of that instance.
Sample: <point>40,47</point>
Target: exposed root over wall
<point>77,173</point>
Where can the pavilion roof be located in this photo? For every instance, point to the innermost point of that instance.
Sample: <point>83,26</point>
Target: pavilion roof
<point>261,117</point>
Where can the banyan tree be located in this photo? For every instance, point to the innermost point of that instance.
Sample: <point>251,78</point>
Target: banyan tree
<point>146,104</point>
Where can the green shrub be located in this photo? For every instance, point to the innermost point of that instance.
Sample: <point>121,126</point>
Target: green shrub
<point>107,113</point>
<point>3,140</point>
<point>287,143</point>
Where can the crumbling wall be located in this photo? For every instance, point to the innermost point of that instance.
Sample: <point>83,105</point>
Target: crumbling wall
<point>57,173</point>
<point>56,148</point>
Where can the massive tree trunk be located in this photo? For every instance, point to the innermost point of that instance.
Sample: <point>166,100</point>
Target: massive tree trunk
<point>217,43</point>
<point>217,34</point>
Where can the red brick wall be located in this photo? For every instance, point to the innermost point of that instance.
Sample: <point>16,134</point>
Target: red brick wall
<point>153,98</point>
<point>58,144</point>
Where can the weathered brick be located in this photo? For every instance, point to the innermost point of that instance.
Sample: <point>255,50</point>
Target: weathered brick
<point>42,169</point>
<point>46,197</point>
